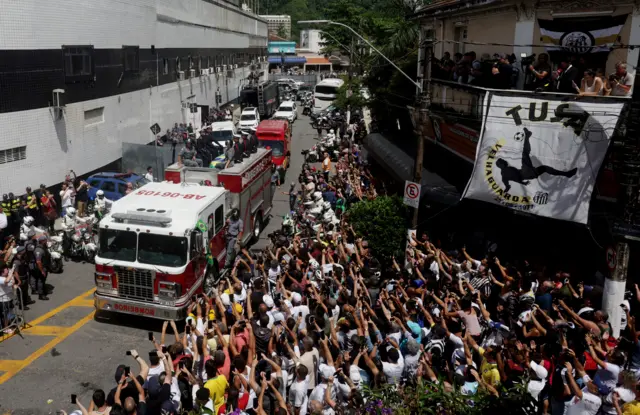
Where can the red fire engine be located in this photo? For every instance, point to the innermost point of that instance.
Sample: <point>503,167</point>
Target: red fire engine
<point>152,255</point>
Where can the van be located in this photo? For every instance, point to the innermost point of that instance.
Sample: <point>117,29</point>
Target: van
<point>223,131</point>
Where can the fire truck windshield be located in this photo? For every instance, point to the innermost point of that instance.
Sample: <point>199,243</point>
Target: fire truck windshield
<point>168,251</point>
<point>277,147</point>
<point>118,245</point>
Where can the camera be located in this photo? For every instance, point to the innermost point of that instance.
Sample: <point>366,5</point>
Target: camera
<point>525,60</point>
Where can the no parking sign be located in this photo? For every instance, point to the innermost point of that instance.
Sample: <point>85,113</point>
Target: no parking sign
<point>411,194</point>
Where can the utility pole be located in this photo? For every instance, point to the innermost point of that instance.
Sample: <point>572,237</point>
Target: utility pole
<point>424,105</point>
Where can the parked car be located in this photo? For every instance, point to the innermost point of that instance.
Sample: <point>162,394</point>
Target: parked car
<point>287,111</point>
<point>114,185</point>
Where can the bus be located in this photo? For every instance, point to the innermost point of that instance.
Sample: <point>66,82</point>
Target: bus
<point>325,92</point>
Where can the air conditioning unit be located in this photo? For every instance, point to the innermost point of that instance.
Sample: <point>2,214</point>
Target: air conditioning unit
<point>224,67</point>
<point>210,70</point>
<point>218,69</point>
<point>204,72</point>
<point>236,66</point>
<point>181,75</point>
<point>192,73</point>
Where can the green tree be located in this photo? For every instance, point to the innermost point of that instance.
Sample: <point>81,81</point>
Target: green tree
<point>350,95</point>
<point>382,222</point>
<point>282,32</point>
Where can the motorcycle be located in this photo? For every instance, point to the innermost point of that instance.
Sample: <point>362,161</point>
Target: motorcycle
<point>54,244</point>
<point>80,243</point>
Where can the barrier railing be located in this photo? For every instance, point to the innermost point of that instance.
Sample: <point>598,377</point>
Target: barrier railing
<point>12,318</point>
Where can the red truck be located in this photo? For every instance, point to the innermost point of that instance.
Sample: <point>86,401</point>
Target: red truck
<point>152,255</point>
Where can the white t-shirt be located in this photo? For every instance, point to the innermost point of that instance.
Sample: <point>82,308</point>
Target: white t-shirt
<point>3,221</point>
<point>298,395</point>
<point>65,196</point>
<point>535,387</point>
<point>6,290</point>
<point>608,375</point>
<point>625,396</point>
<point>311,360</point>
<point>155,371</point>
<point>588,405</point>
<point>149,177</point>
<point>300,310</point>
<point>435,269</point>
<point>393,371</point>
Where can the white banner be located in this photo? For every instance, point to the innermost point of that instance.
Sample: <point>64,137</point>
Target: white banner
<point>541,156</point>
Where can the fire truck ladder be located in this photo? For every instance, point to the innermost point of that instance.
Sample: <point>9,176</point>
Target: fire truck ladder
<point>261,108</point>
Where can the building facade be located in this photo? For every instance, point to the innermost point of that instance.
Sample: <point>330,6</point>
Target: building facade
<point>102,73</point>
<point>275,22</point>
<point>311,40</point>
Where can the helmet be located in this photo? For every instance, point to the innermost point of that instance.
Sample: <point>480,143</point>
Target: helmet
<point>5,197</point>
<point>71,211</point>
<point>11,196</point>
<point>28,220</point>
<point>326,205</point>
<point>317,196</point>
<point>331,131</point>
<point>100,193</point>
<point>235,213</point>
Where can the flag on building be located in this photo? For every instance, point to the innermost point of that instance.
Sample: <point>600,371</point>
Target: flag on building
<point>580,36</point>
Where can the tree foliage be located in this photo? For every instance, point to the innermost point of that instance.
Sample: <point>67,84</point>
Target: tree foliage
<point>282,32</point>
<point>382,222</point>
<point>353,99</point>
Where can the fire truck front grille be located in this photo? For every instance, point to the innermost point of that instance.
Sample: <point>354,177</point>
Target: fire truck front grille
<point>136,284</point>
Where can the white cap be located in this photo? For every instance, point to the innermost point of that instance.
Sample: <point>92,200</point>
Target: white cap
<point>539,370</point>
<point>296,298</point>
<point>268,301</point>
<point>326,371</point>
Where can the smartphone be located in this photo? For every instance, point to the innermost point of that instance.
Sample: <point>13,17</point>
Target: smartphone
<point>164,349</point>
<point>194,298</point>
<point>127,370</point>
<point>188,329</point>
<point>150,336</point>
<point>73,399</point>
<point>181,365</point>
<point>128,353</point>
<point>210,324</point>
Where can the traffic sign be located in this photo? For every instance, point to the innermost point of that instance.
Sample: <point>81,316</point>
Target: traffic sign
<point>411,194</point>
<point>611,258</point>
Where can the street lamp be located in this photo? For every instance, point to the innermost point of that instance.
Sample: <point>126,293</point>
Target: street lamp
<point>365,41</point>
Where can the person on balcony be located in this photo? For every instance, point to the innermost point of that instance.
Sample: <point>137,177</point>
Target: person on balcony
<point>541,74</point>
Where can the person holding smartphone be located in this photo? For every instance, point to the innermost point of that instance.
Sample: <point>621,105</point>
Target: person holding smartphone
<point>98,404</point>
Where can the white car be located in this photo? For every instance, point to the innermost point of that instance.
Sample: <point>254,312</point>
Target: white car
<point>287,110</point>
<point>249,118</point>
<point>292,83</point>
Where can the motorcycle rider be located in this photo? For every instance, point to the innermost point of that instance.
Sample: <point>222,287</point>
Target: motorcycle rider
<point>28,226</point>
<point>69,223</point>
<point>101,204</point>
<point>235,229</point>
<point>40,268</point>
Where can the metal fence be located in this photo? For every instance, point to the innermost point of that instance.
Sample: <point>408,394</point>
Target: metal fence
<point>137,157</point>
<point>307,79</point>
<point>11,314</point>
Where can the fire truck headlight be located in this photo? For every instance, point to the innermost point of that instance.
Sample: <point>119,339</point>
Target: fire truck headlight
<point>169,290</point>
<point>103,284</point>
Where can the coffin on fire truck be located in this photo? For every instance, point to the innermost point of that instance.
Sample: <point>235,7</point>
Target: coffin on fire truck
<point>152,254</point>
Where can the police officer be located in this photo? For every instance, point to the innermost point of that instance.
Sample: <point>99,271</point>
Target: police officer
<point>235,228</point>
<point>32,204</point>
<point>246,146</point>
<point>15,208</point>
<point>229,154</point>
<point>20,266</point>
<point>187,155</point>
<point>40,268</point>
<point>237,149</point>
<point>253,139</point>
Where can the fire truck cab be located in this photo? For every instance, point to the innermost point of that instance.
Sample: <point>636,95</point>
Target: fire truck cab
<point>154,244</point>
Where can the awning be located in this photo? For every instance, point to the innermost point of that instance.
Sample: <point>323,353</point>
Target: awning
<point>293,60</point>
<point>400,165</point>
<point>318,61</point>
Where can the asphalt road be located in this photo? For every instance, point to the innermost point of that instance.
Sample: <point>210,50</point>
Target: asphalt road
<point>66,351</point>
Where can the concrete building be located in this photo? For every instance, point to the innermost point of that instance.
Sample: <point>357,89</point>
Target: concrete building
<point>274,22</point>
<point>73,94</point>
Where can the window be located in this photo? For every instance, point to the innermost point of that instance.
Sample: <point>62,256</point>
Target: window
<point>178,65</point>
<point>120,245</point>
<point>199,63</point>
<point>208,61</point>
<point>108,186</point>
<point>460,35</point>
<point>122,188</point>
<point>165,66</point>
<point>219,218</point>
<point>13,154</point>
<point>93,182</point>
<point>78,62</point>
<point>131,58</point>
<point>163,250</point>
<point>94,116</point>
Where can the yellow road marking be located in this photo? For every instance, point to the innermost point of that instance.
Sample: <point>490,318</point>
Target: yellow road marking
<point>9,365</point>
<point>54,342</point>
<point>82,302</point>
<point>58,309</point>
<point>12,367</point>
<point>45,330</point>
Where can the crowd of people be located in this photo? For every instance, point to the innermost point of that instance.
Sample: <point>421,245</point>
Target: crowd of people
<point>570,75</point>
<point>312,323</point>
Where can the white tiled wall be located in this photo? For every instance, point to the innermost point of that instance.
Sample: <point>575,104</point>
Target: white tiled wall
<point>56,146</point>
<point>37,24</point>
